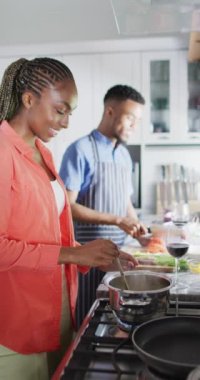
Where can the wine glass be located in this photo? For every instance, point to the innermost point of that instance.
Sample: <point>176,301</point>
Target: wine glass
<point>177,245</point>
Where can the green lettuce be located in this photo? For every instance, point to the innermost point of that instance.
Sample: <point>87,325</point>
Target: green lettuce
<point>162,259</point>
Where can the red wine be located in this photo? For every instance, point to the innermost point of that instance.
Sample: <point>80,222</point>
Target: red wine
<point>177,249</point>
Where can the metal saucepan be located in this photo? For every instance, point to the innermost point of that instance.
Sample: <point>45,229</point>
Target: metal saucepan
<point>147,297</point>
<point>169,345</point>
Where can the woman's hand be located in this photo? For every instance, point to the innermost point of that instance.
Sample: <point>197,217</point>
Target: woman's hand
<point>97,253</point>
<point>128,262</point>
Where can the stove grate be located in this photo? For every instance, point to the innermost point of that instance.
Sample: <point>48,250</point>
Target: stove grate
<point>104,352</point>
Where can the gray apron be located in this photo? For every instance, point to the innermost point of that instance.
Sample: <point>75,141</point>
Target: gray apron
<point>108,193</point>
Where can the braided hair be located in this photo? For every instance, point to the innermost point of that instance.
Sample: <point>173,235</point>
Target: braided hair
<point>28,75</point>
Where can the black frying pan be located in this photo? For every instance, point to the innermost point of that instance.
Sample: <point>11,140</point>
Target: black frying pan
<point>169,345</point>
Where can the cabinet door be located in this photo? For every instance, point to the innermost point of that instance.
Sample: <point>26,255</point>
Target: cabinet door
<point>81,121</point>
<point>160,88</point>
<point>190,99</point>
<point>112,69</point>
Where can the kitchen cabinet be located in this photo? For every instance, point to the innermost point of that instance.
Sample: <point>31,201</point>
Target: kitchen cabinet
<point>171,123</point>
<point>81,122</point>
<point>111,69</point>
<point>171,86</point>
<point>160,87</point>
<point>94,75</point>
<point>189,99</point>
<point>82,67</point>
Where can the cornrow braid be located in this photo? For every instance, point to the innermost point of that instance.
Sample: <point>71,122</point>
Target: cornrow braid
<point>9,100</point>
<point>24,75</point>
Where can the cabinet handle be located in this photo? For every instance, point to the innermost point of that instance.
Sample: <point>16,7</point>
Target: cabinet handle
<point>194,137</point>
<point>163,137</point>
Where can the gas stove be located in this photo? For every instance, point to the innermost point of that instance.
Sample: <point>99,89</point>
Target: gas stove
<point>103,351</point>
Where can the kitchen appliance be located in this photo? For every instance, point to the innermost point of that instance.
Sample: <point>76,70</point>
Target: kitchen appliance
<point>171,345</point>
<point>102,351</point>
<point>146,298</point>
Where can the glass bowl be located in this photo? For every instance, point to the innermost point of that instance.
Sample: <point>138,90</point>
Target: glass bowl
<point>194,265</point>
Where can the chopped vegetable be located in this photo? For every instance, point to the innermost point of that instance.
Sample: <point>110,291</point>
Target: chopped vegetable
<point>162,259</point>
<point>165,260</point>
<point>156,245</point>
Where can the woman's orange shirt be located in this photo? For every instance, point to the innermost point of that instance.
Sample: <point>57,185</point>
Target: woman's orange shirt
<point>31,235</point>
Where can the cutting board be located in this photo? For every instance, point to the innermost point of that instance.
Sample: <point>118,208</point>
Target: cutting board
<point>146,258</point>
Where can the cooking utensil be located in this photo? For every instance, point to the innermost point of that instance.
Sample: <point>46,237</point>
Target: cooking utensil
<point>163,187</point>
<point>163,194</point>
<point>184,184</point>
<point>147,297</point>
<point>169,345</point>
<point>122,272</point>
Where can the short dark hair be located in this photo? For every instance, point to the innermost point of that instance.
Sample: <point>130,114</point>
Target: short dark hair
<point>123,92</point>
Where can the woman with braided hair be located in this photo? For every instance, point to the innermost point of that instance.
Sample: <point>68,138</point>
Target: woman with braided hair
<point>39,257</point>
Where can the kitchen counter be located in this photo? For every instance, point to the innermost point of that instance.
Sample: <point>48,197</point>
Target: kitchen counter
<point>192,281</point>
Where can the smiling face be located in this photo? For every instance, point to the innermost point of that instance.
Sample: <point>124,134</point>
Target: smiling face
<point>49,113</point>
<point>122,118</point>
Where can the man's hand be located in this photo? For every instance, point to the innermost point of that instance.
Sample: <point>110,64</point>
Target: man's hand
<point>131,226</point>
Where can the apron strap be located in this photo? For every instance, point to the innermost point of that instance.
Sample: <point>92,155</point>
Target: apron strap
<point>94,148</point>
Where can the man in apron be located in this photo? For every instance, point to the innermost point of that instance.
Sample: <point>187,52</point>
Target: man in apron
<point>97,172</point>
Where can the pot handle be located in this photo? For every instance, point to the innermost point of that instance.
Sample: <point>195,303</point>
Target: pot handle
<point>135,303</point>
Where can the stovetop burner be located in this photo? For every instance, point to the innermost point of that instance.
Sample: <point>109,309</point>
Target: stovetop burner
<point>103,351</point>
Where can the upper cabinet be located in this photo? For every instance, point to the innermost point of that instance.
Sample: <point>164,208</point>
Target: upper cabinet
<point>168,82</point>
<point>160,88</point>
<point>189,99</point>
<point>81,122</point>
<point>82,119</point>
<point>193,91</point>
<point>112,69</point>
<point>171,86</point>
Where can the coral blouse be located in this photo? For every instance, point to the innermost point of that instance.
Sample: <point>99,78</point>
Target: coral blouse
<point>31,234</point>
